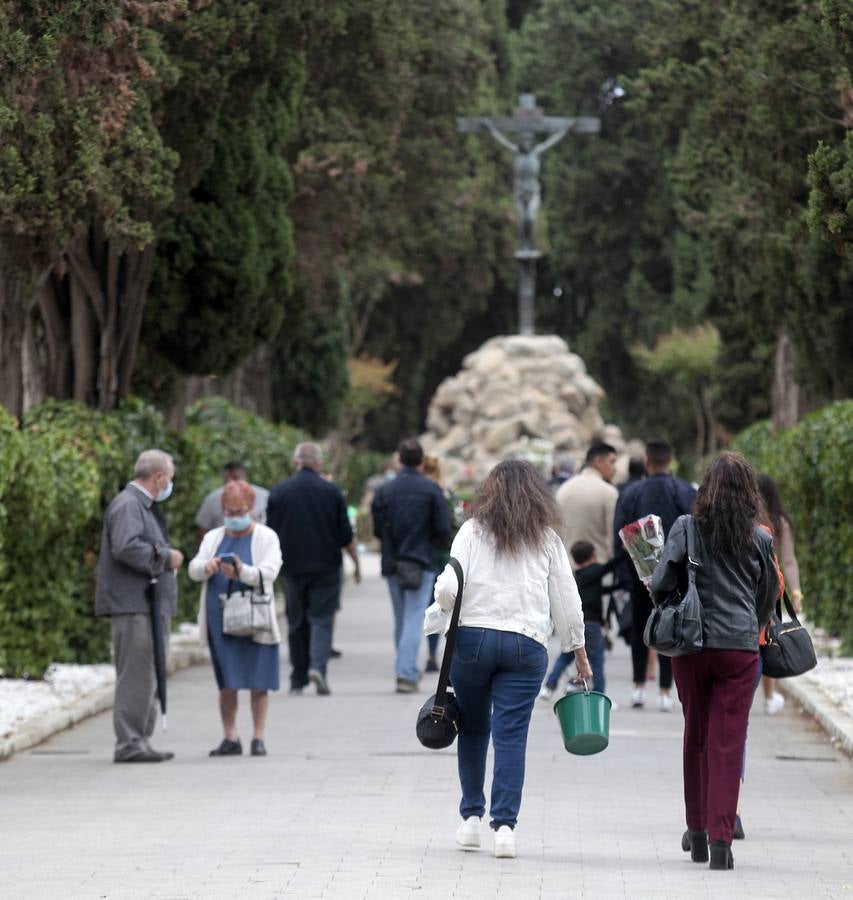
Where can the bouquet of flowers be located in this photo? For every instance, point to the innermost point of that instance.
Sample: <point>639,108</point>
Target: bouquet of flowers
<point>644,542</point>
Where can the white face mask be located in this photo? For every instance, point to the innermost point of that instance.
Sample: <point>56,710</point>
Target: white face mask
<point>166,492</point>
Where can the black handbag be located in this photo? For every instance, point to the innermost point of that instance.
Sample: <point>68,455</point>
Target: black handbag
<point>788,650</point>
<point>438,719</point>
<point>408,573</point>
<point>675,628</point>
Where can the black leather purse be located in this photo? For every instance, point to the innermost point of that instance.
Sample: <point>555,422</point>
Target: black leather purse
<point>675,627</point>
<point>438,719</point>
<point>788,650</point>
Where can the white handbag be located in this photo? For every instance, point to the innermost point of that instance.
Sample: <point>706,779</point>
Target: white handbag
<point>248,612</point>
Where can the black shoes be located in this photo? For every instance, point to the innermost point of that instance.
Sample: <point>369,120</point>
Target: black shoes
<point>738,834</point>
<point>258,748</point>
<point>335,654</point>
<point>721,856</point>
<point>696,844</point>
<point>228,748</point>
<point>432,665</point>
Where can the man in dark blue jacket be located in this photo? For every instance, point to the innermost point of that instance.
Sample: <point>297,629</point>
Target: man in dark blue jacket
<point>660,494</point>
<point>411,518</point>
<point>309,514</point>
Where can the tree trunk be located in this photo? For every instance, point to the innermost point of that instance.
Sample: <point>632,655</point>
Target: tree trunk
<point>113,287</point>
<point>785,396</point>
<point>12,322</point>
<point>82,344</point>
<point>34,361</point>
<point>710,419</point>
<point>699,418</point>
<point>23,354</point>
<point>53,309</point>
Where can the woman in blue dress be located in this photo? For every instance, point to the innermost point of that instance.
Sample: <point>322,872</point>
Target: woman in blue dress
<point>247,553</point>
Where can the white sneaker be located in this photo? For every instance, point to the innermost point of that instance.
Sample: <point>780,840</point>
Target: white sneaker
<point>468,833</point>
<point>546,693</point>
<point>505,843</point>
<point>774,705</point>
<point>638,697</point>
<point>664,703</point>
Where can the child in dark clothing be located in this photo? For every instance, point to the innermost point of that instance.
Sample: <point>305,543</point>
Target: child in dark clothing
<point>588,575</point>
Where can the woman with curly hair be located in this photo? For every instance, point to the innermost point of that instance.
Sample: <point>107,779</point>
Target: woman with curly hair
<point>518,585</point>
<point>737,584</point>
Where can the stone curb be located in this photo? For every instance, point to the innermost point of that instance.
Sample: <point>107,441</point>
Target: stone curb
<point>182,655</point>
<point>834,721</point>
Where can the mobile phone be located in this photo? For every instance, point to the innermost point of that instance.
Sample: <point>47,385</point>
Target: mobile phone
<point>228,558</point>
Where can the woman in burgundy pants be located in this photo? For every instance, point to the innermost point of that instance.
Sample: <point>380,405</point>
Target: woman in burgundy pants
<point>738,586</point>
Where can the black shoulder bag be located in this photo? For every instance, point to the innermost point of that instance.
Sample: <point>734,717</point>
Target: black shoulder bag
<point>675,628</point>
<point>789,650</point>
<point>438,719</point>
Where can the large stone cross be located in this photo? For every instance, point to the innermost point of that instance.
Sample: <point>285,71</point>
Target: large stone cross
<point>527,122</point>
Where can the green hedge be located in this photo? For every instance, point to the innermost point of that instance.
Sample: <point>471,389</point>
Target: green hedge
<point>62,465</point>
<point>813,464</point>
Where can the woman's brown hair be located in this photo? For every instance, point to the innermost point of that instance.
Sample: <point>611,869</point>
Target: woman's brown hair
<point>727,505</point>
<point>515,506</point>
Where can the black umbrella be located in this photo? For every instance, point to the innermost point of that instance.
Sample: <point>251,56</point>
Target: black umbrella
<point>158,644</point>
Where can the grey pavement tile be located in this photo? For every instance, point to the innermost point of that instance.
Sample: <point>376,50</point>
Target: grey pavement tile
<point>352,807</point>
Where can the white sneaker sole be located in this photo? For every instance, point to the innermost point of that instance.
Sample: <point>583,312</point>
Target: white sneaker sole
<point>467,843</point>
<point>504,851</point>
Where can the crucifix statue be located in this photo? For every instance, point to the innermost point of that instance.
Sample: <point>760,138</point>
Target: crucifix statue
<point>527,122</point>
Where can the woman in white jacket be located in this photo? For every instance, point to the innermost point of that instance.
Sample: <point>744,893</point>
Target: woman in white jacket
<point>247,552</point>
<point>518,587</point>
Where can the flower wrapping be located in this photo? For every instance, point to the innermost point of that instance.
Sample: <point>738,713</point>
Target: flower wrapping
<point>643,540</point>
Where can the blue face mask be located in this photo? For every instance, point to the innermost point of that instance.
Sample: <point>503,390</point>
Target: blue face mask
<point>165,493</point>
<point>238,523</point>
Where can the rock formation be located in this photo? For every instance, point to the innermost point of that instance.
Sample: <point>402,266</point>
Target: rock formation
<point>517,396</point>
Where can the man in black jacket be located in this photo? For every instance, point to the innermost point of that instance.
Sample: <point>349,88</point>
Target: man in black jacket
<point>309,514</point>
<point>660,494</point>
<point>410,517</point>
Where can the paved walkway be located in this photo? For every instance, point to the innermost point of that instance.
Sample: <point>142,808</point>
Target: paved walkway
<point>348,805</point>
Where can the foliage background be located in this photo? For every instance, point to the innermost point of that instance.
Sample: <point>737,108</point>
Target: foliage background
<point>811,464</point>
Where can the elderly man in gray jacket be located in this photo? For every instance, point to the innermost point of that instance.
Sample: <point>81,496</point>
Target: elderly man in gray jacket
<point>134,549</point>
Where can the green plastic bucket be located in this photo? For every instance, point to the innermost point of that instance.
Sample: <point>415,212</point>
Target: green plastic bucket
<point>584,718</point>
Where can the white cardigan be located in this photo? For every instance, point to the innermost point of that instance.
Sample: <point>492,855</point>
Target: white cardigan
<point>530,594</point>
<point>266,560</point>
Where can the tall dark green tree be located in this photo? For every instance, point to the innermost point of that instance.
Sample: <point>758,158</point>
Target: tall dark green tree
<point>221,280</point>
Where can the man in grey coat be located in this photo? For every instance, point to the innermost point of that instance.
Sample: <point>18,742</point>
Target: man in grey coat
<point>135,549</point>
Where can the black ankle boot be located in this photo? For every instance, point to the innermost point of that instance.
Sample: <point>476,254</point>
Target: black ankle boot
<point>721,856</point>
<point>696,844</point>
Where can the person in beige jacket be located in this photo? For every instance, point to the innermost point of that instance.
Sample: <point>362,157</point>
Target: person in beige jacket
<point>587,502</point>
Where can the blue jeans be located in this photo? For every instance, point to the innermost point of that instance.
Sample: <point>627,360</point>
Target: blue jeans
<point>594,640</point>
<point>496,676</point>
<point>409,607</point>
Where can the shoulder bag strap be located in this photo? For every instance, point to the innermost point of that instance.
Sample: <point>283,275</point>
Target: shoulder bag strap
<point>789,606</point>
<point>692,560</point>
<point>450,638</point>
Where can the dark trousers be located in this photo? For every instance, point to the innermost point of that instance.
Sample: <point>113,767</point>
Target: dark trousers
<point>135,707</point>
<point>715,688</point>
<point>310,603</point>
<point>641,609</point>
